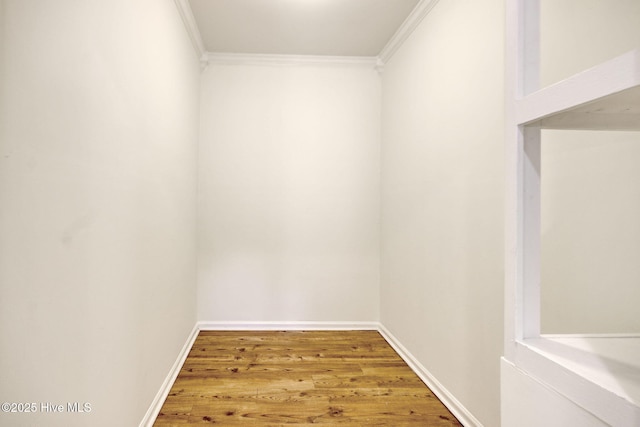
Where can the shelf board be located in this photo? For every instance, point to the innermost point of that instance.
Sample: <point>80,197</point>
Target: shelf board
<point>611,362</point>
<point>601,373</point>
<point>605,97</point>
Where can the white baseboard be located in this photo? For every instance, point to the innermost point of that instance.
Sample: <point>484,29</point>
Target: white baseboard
<point>158,401</point>
<point>286,326</point>
<point>457,409</point>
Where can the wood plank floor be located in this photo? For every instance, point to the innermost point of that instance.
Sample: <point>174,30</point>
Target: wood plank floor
<point>296,378</point>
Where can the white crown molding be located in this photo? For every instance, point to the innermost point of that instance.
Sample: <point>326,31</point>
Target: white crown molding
<point>416,16</point>
<point>287,60</point>
<point>190,24</point>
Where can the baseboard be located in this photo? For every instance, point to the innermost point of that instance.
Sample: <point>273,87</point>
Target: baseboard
<point>453,404</point>
<point>156,405</point>
<point>287,326</point>
<point>456,408</point>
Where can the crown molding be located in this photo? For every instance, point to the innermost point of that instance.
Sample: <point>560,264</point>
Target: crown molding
<point>190,24</point>
<point>409,25</point>
<point>287,60</point>
<point>416,16</point>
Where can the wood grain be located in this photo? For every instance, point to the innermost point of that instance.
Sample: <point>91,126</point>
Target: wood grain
<point>298,378</point>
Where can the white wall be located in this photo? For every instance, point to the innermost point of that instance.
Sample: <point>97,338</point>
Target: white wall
<point>289,193</point>
<point>98,139</point>
<point>590,232</point>
<point>579,34</point>
<point>442,199</point>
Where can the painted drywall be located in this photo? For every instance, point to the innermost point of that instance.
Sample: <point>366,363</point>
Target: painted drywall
<point>579,34</point>
<point>98,140</point>
<point>590,232</point>
<point>288,193</point>
<point>442,199</point>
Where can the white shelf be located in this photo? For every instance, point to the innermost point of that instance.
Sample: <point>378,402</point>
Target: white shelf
<point>601,373</point>
<point>605,97</point>
<point>611,362</point>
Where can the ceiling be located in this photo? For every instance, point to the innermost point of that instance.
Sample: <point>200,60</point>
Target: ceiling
<point>299,27</point>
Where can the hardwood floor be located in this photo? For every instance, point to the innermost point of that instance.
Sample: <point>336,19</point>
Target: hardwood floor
<point>295,378</point>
